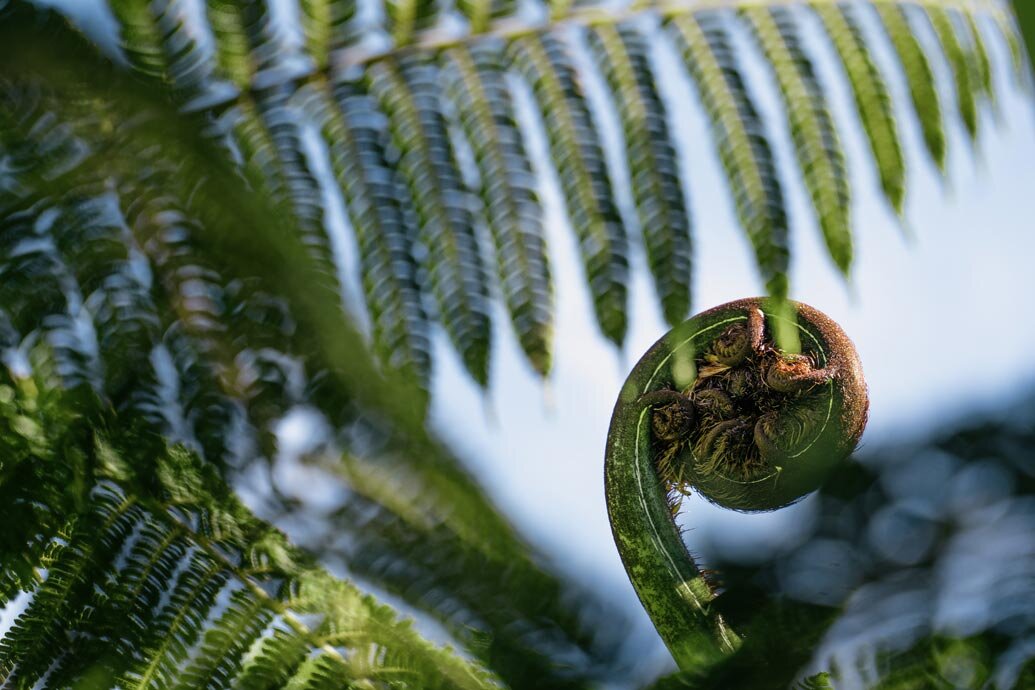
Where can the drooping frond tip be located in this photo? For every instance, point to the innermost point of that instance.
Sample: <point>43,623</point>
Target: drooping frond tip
<point>439,90</point>
<point>436,96</point>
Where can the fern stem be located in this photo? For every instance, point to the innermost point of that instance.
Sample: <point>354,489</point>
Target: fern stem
<point>667,436</point>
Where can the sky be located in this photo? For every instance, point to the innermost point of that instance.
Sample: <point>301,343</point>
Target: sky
<point>935,305</point>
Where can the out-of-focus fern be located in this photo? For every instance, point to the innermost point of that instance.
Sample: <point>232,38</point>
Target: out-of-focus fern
<point>258,78</point>
<point>145,571</point>
<point>173,263</point>
<point>962,73</point>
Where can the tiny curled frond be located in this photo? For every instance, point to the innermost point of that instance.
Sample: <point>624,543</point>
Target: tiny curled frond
<point>717,407</point>
<point>748,417</point>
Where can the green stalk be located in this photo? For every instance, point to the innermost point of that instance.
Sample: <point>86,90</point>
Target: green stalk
<point>672,588</point>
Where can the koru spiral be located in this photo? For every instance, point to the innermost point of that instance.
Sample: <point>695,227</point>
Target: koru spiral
<point>717,408</point>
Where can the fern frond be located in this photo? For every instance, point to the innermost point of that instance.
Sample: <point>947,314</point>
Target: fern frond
<point>977,55</point>
<point>406,17</point>
<point>474,83</point>
<point>408,93</point>
<point>139,558</point>
<point>820,681</point>
<point>140,37</point>
<point>821,159</point>
<point>1006,25</point>
<point>326,27</point>
<point>966,101</point>
<point>233,49</point>
<point>622,54</point>
<point>347,123</point>
<point>544,62</point>
<point>740,137</point>
<point>872,101</point>
<point>917,71</point>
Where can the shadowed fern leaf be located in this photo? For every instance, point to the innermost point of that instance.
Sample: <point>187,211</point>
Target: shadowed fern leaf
<point>474,83</point>
<point>544,61</point>
<point>741,141</point>
<point>820,156</point>
<point>408,93</point>
<point>347,121</point>
<point>872,100</point>
<point>622,54</point>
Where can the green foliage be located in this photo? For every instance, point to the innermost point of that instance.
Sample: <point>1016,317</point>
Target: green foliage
<point>739,135</point>
<point>963,76</point>
<point>545,62</point>
<point>144,570</point>
<point>169,291</point>
<point>206,319</point>
<point>871,99</point>
<point>820,156</point>
<point>917,70</point>
<point>622,52</point>
<point>422,253</point>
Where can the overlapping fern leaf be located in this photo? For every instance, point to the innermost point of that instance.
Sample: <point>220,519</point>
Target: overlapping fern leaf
<point>143,571</point>
<point>438,81</point>
<point>174,299</point>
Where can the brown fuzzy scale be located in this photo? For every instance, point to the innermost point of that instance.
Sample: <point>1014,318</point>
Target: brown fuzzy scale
<point>753,409</point>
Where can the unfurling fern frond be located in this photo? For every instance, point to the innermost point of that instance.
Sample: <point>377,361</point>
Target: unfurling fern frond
<point>741,140</point>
